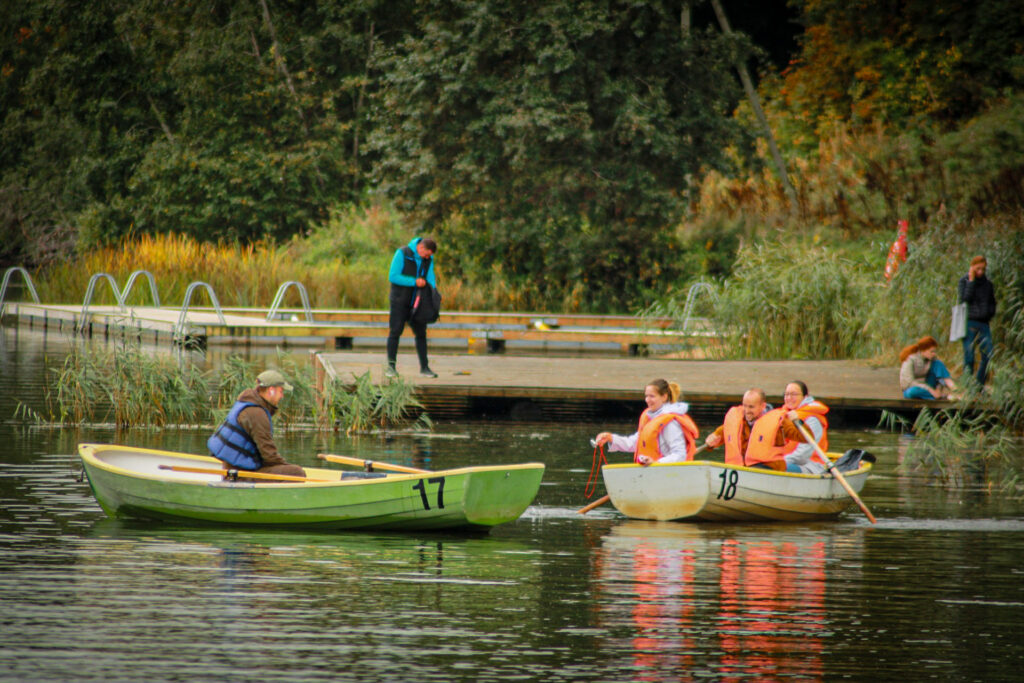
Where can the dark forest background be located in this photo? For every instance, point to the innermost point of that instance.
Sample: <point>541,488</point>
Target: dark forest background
<point>541,142</point>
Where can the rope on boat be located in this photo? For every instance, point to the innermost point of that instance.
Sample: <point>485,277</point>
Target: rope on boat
<point>597,462</point>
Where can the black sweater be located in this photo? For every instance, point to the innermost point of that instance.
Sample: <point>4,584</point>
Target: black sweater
<point>980,297</point>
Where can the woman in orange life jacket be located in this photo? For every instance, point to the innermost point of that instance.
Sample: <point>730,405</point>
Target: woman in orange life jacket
<point>801,457</point>
<point>665,433</point>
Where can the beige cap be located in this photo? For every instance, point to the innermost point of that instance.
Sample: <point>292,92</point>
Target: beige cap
<point>273,378</point>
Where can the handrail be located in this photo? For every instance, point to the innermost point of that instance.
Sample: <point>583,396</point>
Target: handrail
<point>691,296</point>
<point>7,277</point>
<point>279,297</point>
<point>88,297</point>
<point>131,281</point>
<point>179,327</point>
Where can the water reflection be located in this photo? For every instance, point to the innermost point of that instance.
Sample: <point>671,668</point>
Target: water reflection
<point>757,596</point>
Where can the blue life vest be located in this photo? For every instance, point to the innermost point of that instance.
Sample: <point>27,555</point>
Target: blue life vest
<point>232,444</point>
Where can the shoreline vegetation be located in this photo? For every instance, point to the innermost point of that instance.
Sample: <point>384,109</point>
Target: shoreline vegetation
<point>788,298</point>
<point>132,389</point>
<point>783,298</point>
<point>557,176</point>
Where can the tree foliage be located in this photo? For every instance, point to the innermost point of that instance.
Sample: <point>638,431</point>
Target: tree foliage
<point>221,120</point>
<point>553,147</point>
<point>553,143</point>
<point>899,62</point>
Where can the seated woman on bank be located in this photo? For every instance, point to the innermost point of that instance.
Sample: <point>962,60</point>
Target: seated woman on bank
<point>665,433</point>
<point>922,374</point>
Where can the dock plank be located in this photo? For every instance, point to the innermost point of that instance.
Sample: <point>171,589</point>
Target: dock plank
<point>849,387</point>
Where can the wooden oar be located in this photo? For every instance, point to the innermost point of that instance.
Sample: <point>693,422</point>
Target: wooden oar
<point>237,473</point>
<point>597,503</point>
<point>368,465</point>
<point>835,472</point>
<point>605,498</point>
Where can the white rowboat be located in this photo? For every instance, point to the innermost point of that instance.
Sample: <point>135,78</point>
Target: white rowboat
<point>716,492</point>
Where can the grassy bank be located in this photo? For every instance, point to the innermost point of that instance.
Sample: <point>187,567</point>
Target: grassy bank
<point>342,264</point>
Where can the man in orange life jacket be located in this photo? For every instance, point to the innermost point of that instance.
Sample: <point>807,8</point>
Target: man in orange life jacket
<point>665,433</point>
<point>754,435</point>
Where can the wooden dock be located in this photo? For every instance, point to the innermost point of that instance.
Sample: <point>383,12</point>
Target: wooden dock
<point>476,380</point>
<point>556,388</point>
<point>346,329</point>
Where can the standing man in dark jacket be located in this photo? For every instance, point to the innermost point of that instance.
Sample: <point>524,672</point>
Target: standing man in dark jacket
<point>246,438</point>
<point>977,292</point>
<point>412,271</point>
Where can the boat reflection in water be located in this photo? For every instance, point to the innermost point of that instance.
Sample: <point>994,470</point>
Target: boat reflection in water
<point>685,591</point>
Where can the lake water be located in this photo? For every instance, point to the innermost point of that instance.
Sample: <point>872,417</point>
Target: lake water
<point>934,591</point>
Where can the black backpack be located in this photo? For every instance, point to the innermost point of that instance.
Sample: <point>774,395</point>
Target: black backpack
<point>426,306</point>
<point>850,460</point>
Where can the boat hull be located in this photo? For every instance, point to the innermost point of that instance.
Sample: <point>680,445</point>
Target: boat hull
<point>714,491</point>
<point>128,482</point>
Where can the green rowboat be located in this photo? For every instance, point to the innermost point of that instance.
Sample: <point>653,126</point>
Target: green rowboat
<point>137,482</point>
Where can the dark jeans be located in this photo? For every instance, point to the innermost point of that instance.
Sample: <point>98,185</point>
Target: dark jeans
<point>981,334</point>
<point>399,316</point>
<point>936,373</point>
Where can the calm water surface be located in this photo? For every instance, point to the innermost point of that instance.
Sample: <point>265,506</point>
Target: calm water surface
<point>934,591</point>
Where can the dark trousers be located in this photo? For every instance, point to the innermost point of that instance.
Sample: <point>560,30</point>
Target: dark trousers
<point>400,315</point>
<point>981,334</point>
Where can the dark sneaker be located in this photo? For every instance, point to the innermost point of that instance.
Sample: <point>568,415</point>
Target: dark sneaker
<point>390,372</point>
<point>427,372</point>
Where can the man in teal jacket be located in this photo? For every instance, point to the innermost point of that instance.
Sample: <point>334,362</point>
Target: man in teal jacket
<point>412,270</point>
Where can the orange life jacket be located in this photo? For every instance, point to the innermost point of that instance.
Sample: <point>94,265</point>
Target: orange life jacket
<point>732,434</point>
<point>763,436</point>
<point>813,409</point>
<point>649,429</point>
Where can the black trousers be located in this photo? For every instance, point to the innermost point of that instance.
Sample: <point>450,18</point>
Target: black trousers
<point>399,315</point>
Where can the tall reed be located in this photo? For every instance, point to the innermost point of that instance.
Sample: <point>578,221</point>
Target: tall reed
<point>342,264</point>
<point>792,301</point>
<point>129,388</point>
<point>132,388</point>
<point>364,406</point>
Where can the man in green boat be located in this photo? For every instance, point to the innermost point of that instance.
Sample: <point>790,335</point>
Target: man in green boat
<point>245,440</point>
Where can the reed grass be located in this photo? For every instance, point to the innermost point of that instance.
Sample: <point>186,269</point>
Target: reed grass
<point>342,264</point>
<point>961,447</point>
<point>797,302</point>
<point>364,406</point>
<point>127,387</point>
<point>822,299</point>
<point>133,389</point>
